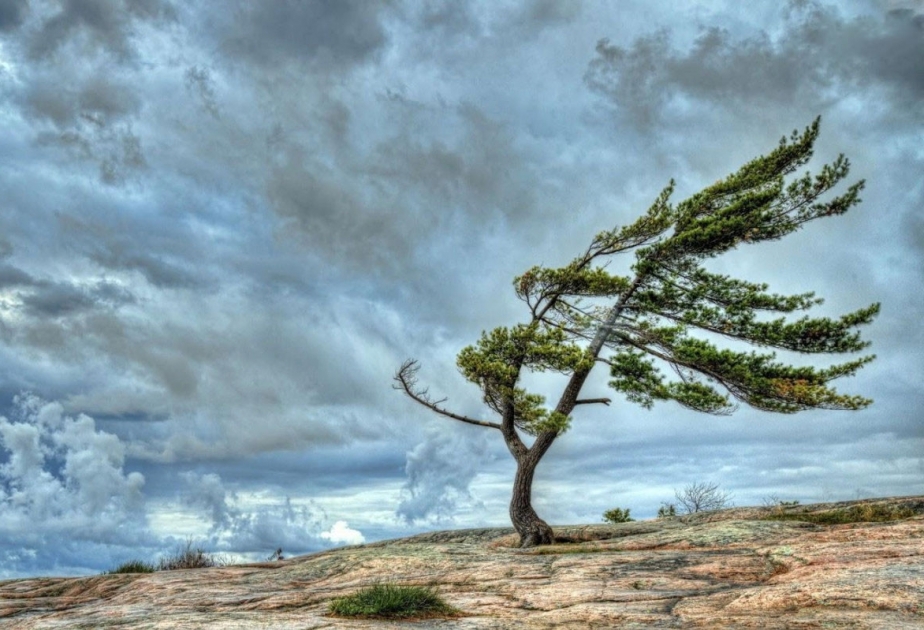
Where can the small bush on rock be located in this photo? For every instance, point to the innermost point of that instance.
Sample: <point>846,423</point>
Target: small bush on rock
<point>667,510</point>
<point>189,557</point>
<point>617,515</point>
<point>703,497</point>
<point>133,566</point>
<point>864,513</point>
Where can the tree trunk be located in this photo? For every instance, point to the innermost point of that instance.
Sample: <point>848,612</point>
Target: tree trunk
<point>532,529</point>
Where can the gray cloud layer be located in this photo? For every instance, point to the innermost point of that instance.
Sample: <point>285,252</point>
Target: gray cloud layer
<point>225,225</point>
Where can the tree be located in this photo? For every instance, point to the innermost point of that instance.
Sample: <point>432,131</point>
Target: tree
<point>617,515</point>
<point>668,311</point>
<point>702,497</point>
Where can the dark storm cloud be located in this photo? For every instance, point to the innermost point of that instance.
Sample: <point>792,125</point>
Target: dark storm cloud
<point>168,255</point>
<point>300,195</point>
<point>54,299</point>
<point>98,100</point>
<point>12,13</point>
<point>102,24</point>
<point>327,32</point>
<point>11,276</point>
<point>419,181</point>
<point>41,298</point>
<point>819,56</point>
<point>75,63</point>
<point>551,12</point>
<point>199,82</point>
<point>449,19</point>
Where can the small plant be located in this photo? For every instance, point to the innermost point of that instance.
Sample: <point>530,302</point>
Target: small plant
<point>189,557</point>
<point>865,513</point>
<point>617,515</point>
<point>667,510</point>
<point>392,601</point>
<point>133,566</point>
<point>702,497</point>
<point>774,501</point>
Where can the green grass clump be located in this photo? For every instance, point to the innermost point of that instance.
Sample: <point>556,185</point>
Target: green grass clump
<point>133,566</point>
<point>392,601</point>
<point>854,514</point>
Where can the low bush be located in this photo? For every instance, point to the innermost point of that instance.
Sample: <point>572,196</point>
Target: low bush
<point>133,566</point>
<point>189,557</point>
<point>865,513</point>
<point>617,515</point>
<point>667,510</point>
<point>392,601</point>
<point>702,497</point>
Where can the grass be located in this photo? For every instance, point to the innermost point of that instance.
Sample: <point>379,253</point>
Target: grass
<point>189,557</point>
<point>392,601</point>
<point>865,513</point>
<point>134,566</point>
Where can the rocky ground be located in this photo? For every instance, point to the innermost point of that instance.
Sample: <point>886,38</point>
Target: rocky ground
<point>730,569</point>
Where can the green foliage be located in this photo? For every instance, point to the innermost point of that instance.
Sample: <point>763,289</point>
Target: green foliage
<point>617,515</point>
<point>661,312</point>
<point>865,513</point>
<point>670,329</point>
<point>667,510</point>
<point>133,566</point>
<point>494,364</point>
<point>390,601</point>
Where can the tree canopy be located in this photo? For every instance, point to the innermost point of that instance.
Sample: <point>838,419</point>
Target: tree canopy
<point>660,329</point>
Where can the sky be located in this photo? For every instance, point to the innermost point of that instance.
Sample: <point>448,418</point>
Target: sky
<point>225,225</point>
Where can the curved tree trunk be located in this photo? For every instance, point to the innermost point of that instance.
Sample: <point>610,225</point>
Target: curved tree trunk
<point>532,529</point>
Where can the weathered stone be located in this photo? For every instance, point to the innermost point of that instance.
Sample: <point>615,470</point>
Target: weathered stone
<point>729,569</point>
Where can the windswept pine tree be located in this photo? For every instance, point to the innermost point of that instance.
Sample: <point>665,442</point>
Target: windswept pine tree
<point>667,313</point>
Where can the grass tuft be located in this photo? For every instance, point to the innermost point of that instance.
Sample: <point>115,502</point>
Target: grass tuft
<point>392,601</point>
<point>865,513</point>
<point>189,557</point>
<point>134,566</point>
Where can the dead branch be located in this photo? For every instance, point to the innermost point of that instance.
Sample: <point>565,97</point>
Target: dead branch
<point>406,381</point>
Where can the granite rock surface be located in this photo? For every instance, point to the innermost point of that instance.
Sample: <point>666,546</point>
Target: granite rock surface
<point>729,569</point>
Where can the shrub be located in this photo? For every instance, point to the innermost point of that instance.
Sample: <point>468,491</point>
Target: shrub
<point>133,566</point>
<point>617,515</point>
<point>667,510</point>
<point>774,501</point>
<point>392,601</point>
<point>702,497</point>
<point>189,557</point>
<point>865,513</point>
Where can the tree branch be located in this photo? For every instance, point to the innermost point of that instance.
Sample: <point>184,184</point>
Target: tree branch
<point>406,379</point>
<point>590,401</point>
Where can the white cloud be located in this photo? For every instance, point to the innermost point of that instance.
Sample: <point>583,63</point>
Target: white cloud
<point>63,475</point>
<point>439,472</point>
<point>341,532</point>
<point>247,525</point>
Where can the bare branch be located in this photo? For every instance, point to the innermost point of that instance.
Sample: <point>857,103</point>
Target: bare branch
<point>406,381</point>
<point>590,401</point>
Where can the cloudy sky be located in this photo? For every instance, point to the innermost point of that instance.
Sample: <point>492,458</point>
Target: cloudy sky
<point>225,224</point>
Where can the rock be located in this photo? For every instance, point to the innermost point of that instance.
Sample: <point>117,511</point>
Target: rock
<point>729,569</point>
